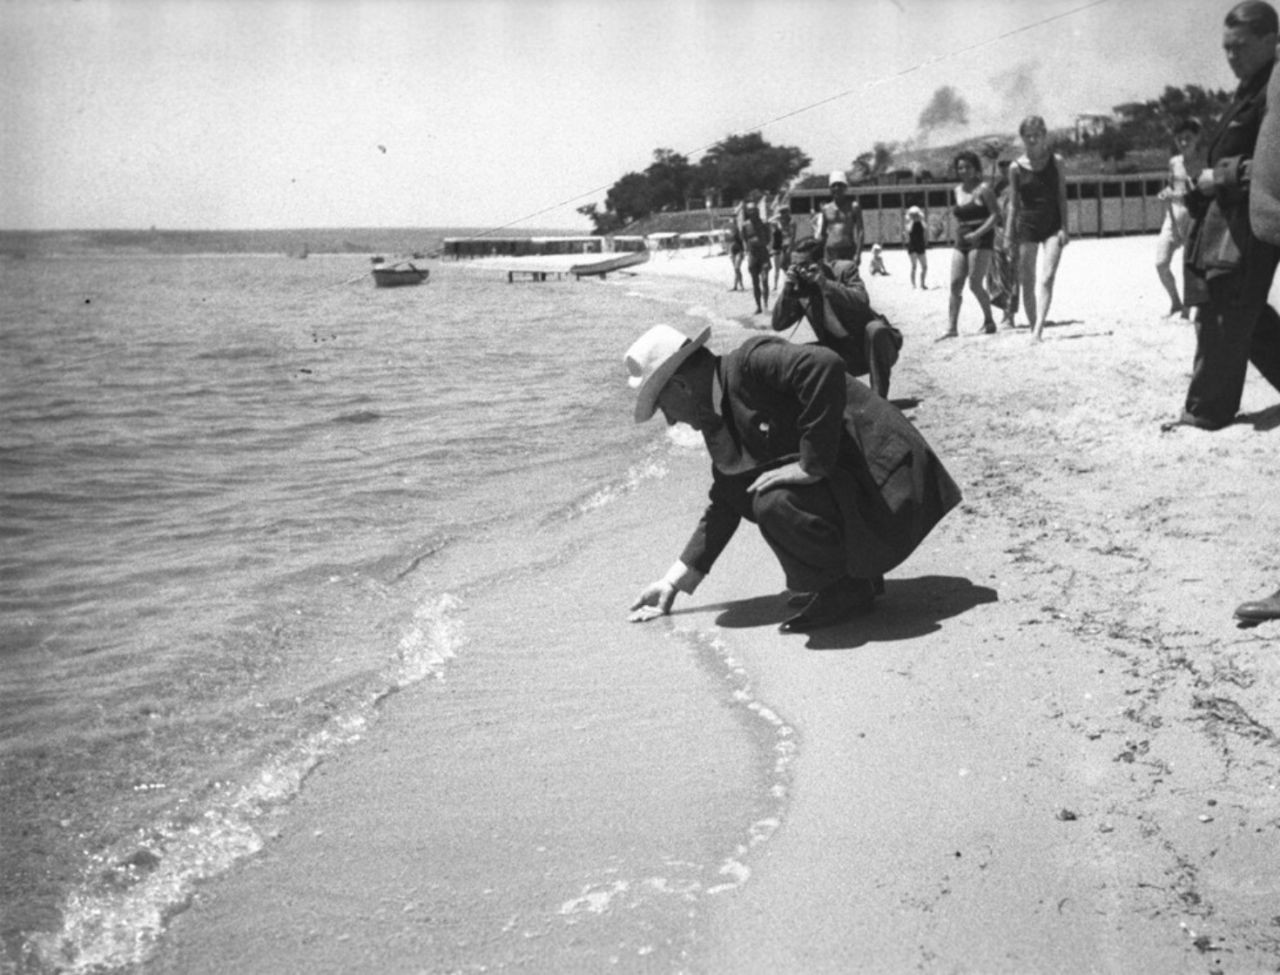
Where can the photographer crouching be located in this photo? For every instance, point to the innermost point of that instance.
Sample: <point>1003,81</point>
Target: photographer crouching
<point>834,300</point>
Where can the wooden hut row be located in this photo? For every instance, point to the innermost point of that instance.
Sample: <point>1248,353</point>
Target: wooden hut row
<point>1097,206</point>
<point>462,248</point>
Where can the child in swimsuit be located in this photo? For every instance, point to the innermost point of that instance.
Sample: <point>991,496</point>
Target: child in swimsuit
<point>877,261</point>
<point>917,244</point>
<point>1177,221</point>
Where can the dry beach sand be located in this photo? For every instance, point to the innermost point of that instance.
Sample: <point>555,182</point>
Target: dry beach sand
<point>1049,750</point>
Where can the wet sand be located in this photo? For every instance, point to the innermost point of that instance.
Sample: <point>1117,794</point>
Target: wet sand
<point>1049,750</point>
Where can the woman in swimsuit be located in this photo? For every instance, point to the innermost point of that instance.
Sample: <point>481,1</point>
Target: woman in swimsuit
<point>917,243</point>
<point>975,213</point>
<point>735,255</point>
<point>1173,231</point>
<point>1037,219</point>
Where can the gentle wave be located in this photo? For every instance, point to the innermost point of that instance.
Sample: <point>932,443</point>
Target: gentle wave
<point>650,468</point>
<point>230,496</point>
<point>116,915</point>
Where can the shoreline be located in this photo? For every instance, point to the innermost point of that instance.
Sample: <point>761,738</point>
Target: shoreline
<point>1048,750</point>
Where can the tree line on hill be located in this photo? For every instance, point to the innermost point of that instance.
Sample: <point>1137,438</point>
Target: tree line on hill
<point>741,164</point>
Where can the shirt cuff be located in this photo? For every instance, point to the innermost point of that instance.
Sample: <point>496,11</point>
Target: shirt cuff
<point>683,578</point>
<point>1230,174</point>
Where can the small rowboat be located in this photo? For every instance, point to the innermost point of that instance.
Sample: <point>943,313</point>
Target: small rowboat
<point>397,275</point>
<point>603,265</point>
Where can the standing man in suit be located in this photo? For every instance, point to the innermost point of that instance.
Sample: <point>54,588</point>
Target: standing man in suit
<point>1228,269</point>
<point>841,485</point>
<point>1264,221</point>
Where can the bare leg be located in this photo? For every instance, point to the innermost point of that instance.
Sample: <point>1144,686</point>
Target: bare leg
<point>959,271</point>
<point>979,264</point>
<point>1044,281</point>
<point>1165,248</point>
<point>924,269</point>
<point>1027,253</point>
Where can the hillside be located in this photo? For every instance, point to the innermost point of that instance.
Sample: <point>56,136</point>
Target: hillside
<point>681,222</point>
<point>935,161</point>
<point>1079,162</point>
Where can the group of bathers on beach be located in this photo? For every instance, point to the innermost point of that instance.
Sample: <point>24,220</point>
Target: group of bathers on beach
<point>1008,238</point>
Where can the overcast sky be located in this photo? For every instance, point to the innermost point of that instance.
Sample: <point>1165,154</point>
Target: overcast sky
<point>190,114</point>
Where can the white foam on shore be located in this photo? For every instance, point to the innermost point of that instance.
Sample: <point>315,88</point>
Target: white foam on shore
<point>117,914</point>
<point>783,746</point>
<point>596,899</point>
<point>432,639</point>
<point>649,468</point>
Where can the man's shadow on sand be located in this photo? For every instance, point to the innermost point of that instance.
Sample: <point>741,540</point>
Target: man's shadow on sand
<point>909,608</point>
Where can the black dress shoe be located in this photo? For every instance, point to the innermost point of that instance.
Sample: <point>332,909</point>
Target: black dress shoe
<point>1198,422</point>
<point>798,599</point>
<point>842,600</point>
<point>1260,610</point>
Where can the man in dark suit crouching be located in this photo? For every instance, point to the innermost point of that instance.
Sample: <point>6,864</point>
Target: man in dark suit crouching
<point>841,485</point>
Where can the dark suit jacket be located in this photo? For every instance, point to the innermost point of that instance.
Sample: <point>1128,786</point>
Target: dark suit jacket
<point>784,402</point>
<point>838,311</point>
<point>1220,240</point>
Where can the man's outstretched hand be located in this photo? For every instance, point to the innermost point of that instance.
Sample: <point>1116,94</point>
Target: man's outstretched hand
<point>654,601</point>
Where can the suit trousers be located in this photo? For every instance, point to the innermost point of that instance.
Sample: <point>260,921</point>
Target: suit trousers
<point>882,354</point>
<point>873,357</point>
<point>803,525</point>
<point>1235,326</point>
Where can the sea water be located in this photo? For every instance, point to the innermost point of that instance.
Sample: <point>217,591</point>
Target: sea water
<point>223,481</point>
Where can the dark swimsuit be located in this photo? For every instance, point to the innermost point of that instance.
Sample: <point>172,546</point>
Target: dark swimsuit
<point>915,238</point>
<point>1038,215</point>
<point>970,216</point>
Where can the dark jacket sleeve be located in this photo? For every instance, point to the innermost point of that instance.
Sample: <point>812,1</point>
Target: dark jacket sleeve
<point>719,521</point>
<point>788,309</point>
<point>1264,197</point>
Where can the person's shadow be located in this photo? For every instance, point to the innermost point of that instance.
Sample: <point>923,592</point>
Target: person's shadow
<point>909,608</point>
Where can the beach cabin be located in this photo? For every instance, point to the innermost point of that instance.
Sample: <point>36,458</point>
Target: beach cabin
<point>1100,205</point>
<point>460,248</point>
<point>627,242</point>
<point>712,240</point>
<point>568,245</point>
<point>667,240</point>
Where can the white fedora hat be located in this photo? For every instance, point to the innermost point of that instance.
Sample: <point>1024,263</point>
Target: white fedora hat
<point>653,359</point>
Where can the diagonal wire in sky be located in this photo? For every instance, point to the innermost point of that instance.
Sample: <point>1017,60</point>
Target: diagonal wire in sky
<point>865,87</point>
